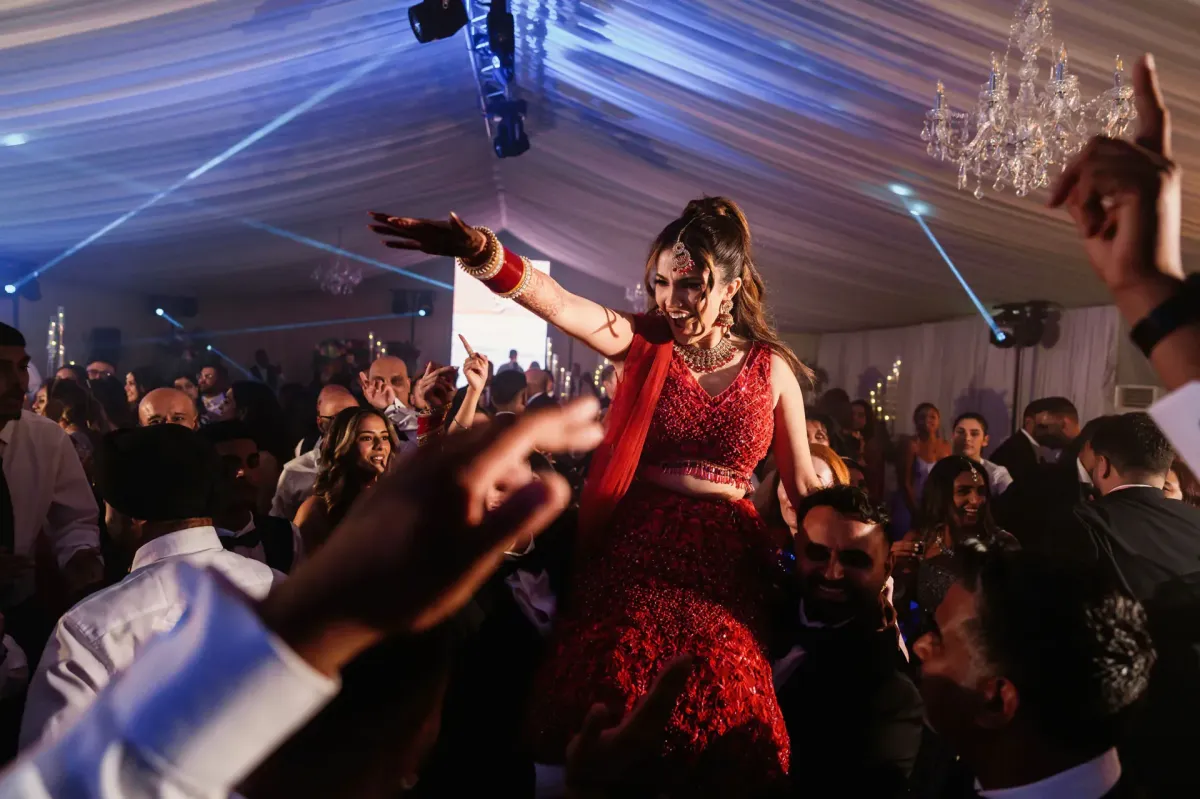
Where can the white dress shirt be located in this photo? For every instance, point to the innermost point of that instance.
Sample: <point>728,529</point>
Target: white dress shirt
<point>50,494</point>
<point>100,637</point>
<point>197,711</point>
<point>998,477</point>
<point>1090,780</point>
<point>1178,416</point>
<point>296,484</point>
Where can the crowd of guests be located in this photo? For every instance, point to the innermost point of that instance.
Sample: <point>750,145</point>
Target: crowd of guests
<point>952,621</point>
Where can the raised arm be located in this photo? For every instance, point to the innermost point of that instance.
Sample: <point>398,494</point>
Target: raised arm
<point>791,434</point>
<point>477,250</point>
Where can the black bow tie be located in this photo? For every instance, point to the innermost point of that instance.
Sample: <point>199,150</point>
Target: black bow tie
<point>247,540</point>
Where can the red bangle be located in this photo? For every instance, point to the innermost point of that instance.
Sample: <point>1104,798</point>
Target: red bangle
<point>511,276</point>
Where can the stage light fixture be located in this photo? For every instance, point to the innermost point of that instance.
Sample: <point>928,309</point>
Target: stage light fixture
<point>9,288</point>
<point>14,140</point>
<point>437,19</point>
<point>508,116</point>
<point>502,39</point>
<point>900,190</point>
<point>158,311</point>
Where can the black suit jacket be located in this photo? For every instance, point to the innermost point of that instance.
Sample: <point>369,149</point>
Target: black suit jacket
<point>1018,455</point>
<point>1151,546</point>
<point>853,715</point>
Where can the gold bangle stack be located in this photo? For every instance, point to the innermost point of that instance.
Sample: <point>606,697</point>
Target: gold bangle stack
<point>495,258</point>
<point>519,289</point>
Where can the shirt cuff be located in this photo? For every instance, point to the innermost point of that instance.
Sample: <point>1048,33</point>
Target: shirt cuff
<point>219,694</point>
<point>512,553</point>
<point>1178,416</point>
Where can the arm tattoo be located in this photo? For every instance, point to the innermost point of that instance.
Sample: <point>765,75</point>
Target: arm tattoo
<point>543,296</point>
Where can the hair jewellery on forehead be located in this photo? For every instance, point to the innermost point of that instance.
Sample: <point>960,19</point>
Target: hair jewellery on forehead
<point>679,253</point>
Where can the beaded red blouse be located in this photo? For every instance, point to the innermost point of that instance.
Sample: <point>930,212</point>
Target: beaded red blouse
<point>719,438</point>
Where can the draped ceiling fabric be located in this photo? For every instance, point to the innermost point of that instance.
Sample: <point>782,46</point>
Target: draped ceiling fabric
<point>802,111</point>
<point>954,366</point>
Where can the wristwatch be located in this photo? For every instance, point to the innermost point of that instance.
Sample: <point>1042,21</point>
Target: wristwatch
<point>1181,308</point>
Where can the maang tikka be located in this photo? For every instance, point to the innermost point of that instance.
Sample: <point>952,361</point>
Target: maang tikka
<point>683,263</point>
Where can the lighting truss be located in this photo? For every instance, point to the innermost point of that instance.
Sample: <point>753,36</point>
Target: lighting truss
<point>491,44</point>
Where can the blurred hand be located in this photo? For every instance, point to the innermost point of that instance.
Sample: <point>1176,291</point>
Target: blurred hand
<point>609,752</point>
<point>416,548</point>
<point>908,549</point>
<point>1125,197</point>
<point>475,370</point>
<point>453,238</point>
<point>435,388</point>
<point>379,394</point>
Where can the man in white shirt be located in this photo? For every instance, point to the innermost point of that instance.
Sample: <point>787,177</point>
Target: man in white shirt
<point>1028,674</point>
<point>164,481</point>
<point>43,490</point>
<point>298,475</point>
<point>970,440</point>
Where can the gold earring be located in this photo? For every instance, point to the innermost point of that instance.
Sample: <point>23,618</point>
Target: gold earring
<point>725,317</point>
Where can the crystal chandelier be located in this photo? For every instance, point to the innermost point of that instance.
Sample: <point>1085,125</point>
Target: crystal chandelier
<point>1017,141</point>
<point>339,276</point>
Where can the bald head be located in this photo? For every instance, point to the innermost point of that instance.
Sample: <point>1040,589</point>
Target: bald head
<point>538,381</point>
<point>332,401</point>
<point>388,371</point>
<point>167,406</point>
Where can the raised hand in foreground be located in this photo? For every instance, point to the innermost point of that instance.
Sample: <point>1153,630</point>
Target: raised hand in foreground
<point>453,238</point>
<point>415,549</point>
<point>612,756</point>
<point>1126,200</point>
<point>1126,197</point>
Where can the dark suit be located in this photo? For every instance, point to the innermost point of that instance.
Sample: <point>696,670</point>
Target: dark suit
<point>1019,456</point>
<point>1151,546</point>
<point>853,715</point>
<point>1034,509</point>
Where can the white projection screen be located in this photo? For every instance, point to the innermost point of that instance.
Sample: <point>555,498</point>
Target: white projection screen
<point>493,325</point>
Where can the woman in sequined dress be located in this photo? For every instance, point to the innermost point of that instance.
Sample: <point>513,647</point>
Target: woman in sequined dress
<point>956,505</point>
<point>674,558</point>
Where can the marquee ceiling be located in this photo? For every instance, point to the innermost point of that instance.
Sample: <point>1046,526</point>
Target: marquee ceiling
<point>802,111</point>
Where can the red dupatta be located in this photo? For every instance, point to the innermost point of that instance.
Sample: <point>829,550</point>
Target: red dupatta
<point>615,461</point>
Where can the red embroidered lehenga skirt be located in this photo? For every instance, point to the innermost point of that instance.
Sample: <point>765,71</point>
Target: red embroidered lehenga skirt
<point>676,575</point>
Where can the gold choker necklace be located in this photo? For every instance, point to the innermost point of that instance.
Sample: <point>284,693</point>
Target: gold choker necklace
<point>703,360</point>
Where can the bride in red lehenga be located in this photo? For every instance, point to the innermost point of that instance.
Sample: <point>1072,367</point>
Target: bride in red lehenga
<point>674,558</point>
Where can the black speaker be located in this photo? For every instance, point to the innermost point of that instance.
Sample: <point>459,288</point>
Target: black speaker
<point>406,302</point>
<point>104,344</point>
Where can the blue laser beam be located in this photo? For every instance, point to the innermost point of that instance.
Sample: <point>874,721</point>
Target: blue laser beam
<point>232,362</point>
<point>916,214</point>
<point>172,321</point>
<point>250,222</point>
<point>242,331</point>
<point>267,129</point>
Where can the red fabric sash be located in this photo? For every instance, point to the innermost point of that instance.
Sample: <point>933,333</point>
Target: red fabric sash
<point>615,461</point>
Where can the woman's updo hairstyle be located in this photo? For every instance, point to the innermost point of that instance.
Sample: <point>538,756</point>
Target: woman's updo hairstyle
<point>717,236</point>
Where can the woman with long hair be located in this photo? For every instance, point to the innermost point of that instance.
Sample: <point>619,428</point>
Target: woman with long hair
<point>138,383</point>
<point>673,558</point>
<point>110,393</point>
<point>354,453</point>
<point>79,414</point>
<point>869,438</point>
<point>917,458</point>
<point>956,506</point>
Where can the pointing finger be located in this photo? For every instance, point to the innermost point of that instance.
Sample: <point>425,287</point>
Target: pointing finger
<point>1154,123</point>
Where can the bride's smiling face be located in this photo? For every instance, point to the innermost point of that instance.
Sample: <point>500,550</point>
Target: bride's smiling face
<point>682,298</point>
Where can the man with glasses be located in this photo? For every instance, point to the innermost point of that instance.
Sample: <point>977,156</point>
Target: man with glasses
<point>298,475</point>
